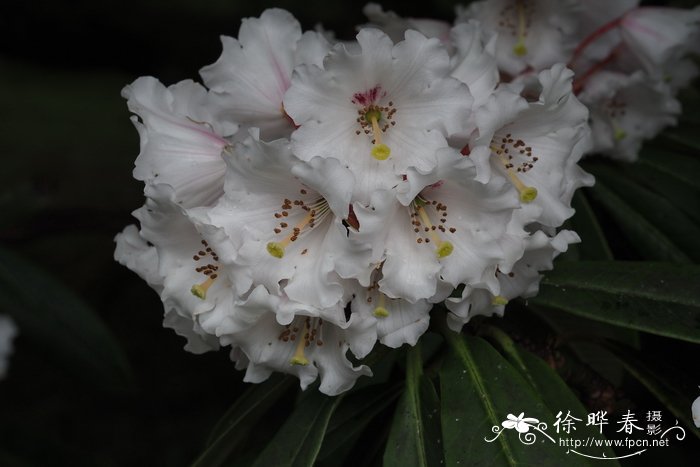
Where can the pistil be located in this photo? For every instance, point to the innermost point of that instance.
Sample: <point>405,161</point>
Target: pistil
<point>380,151</point>
<point>299,358</point>
<point>520,49</point>
<point>527,193</point>
<point>380,311</point>
<point>277,249</point>
<point>443,247</point>
<point>200,290</point>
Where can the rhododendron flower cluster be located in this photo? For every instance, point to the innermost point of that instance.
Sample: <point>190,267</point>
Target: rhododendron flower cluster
<point>313,199</point>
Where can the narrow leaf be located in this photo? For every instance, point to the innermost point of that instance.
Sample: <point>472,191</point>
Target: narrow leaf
<point>414,438</point>
<point>659,298</point>
<point>664,215</point>
<point>679,166</point>
<point>593,244</point>
<point>642,234</point>
<point>58,321</point>
<point>232,428</point>
<point>353,415</point>
<point>556,394</point>
<point>299,440</point>
<point>479,390</point>
<point>670,184</point>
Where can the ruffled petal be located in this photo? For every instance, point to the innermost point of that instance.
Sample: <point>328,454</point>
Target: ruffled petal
<point>179,145</point>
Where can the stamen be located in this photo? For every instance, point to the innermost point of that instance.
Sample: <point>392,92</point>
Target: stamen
<point>380,151</point>
<point>200,290</point>
<point>520,49</point>
<point>444,248</point>
<point>527,193</point>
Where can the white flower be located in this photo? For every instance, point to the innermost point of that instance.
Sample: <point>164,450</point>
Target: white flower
<point>179,265</point>
<point>449,230</point>
<point>378,112</point>
<point>305,345</point>
<point>474,62</point>
<point>522,281</point>
<point>397,321</point>
<point>696,412</point>
<point>626,110</point>
<point>536,145</point>
<point>598,31</point>
<point>254,71</point>
<point>283,220</point>
<point>181,143</point>
<point>8,331</point>
<point>531,33</point>
<point>659,36</point>
<point>318,199</point>
<point>395,26</point>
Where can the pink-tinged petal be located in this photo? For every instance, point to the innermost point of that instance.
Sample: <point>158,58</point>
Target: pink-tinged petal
<point>179,147</point>
<point>659,35</point>
<point>250,78</point>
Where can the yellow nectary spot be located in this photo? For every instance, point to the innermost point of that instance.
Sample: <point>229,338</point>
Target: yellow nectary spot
<point>275,249</point>
<point>520,49</point>
<point>381,152</point>
<point>528,194</point>
<point>499,300</point>
<point>444,249</point>
<point>620,134</point>
<point>381,312</point>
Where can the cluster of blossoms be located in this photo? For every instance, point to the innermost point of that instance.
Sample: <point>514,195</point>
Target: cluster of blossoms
<point>318,196</point>
<point>629,61</point>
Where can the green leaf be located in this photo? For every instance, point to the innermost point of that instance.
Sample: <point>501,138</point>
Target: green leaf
<point>664,215</point>
<point>414,438</point>
<point>659,298</point>
<point>479,389</point>
<point>682,168</point>
<point>232,428</point>
<point>683,138</point>
<point>677,402</point>
<point>593,244</point>
<point>643,235</point>
<point>353,415</point>
<point>299,440</point>
<point>59,322</point>
<point>556,394</point>
<point>677,182</point>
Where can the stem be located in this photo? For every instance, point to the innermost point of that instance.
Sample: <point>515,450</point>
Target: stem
<point>581,81</point>
<point>592,37</point>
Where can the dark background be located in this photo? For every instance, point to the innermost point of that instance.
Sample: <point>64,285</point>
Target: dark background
<point>67,149</point>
